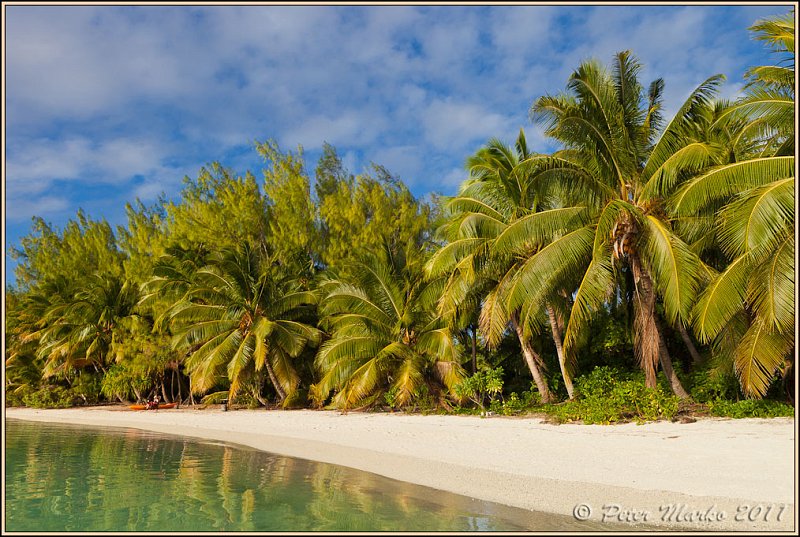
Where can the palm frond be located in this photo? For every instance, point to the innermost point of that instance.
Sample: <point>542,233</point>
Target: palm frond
<point>538,228</point>
<point>758,357</point>
<point>721,300</point>
<point>727,180</point>
<point>758,218</point>
<point>676,270</point>
<point>772,289</point>
<point>593,291</point>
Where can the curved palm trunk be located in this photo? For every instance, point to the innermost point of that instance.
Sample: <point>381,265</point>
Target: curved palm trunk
<point>474,339</point>
<point>689,345</point>
<point>649,341</point>
<point>646,335</point>
<point>555,326</point>
<point>274,380</point>
<point>532,359</point>
<point>666,365</point>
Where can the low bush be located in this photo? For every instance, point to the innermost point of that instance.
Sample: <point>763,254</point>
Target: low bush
<point>16,396</point>
<point>49,397</point>
<point>607,395</point>
<point>709,385</point>
<point>483,385</point>
<point>750,408</point>
<point>87,388</point>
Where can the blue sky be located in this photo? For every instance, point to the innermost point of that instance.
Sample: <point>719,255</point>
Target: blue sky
<point>106,104</point>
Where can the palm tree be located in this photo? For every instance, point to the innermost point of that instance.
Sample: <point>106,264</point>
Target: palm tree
<point>748,309</point>
<point>618,165</point>
<point>500,192</point>
<point>80,330</point>
<point>238,315</point>
<point>768,102</point>
<point>23,367</point>
<point>385,336</point>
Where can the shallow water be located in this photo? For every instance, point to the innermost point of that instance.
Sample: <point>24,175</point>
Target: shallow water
<point>74,478</point>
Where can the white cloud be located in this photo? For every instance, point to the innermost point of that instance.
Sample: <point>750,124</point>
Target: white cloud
<point>34,165</point>
<point>451,125</point>
<point>346,129</point>
<point>22,208</point>
<point>135,96</point>
<point>454,178</point>
<point>404,161</point>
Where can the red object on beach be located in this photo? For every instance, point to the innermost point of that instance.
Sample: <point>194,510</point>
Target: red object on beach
<point>160,406</point>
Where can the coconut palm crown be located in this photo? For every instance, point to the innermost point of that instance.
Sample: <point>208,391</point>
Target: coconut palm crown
<point>618,164</point>
<point>386,336</point>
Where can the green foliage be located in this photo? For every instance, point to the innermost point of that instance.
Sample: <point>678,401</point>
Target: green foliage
<point>84,246</point>
<point>608,395</point>
<point>362,215</point>
<point>750,408</point>
<point>127,382</point>
<point>515,404</point>
<point>16,396</point>
<point>483,385</point>
<point>217,210</point>
<point>49,397</point>
<point>87,388</point>
<point>240,313</point>
<point>291,214</point>
<point>142,241</point>
<point>713,384</point>
<point>391,396</point>
<point>215,398</point>
<point>384,334</point>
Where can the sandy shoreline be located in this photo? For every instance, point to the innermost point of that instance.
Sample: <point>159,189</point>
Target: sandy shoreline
<point>722,468</point>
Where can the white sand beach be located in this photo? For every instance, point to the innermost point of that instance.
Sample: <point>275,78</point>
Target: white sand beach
<point>718,474</point>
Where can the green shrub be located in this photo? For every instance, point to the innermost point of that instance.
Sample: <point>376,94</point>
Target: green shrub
<point>510,406</point>
<point>391,397</point>
<point>16,396</point>
<point>49,397</point>
<point>710,385</point>
<point>750,408</point>
<point>607,395</point>
<point>423,399</point>
<point>297,399</point>
<point>87,388</point>
<point>123,380</point>
<point>484,384</point>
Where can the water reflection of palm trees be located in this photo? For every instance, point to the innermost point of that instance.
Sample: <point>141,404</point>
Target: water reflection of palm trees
<point>142,482</point>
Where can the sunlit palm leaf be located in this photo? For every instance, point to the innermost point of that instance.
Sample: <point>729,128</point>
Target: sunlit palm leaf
<point>727,180</point>
<point>758,357</point>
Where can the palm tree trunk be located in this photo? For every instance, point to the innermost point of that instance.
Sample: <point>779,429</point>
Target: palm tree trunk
<point>689,345</point>
<point>532,359</point>
<point>646,334</point>
<point>555,326</point>
<point>274,380</point>
<point>474,350</point>
<point>180,395</point>
<point>650,344</point>
<point>666,365</point>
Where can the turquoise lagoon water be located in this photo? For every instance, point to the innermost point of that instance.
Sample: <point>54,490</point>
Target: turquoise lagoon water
<point>70,478</point>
